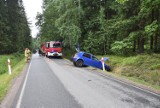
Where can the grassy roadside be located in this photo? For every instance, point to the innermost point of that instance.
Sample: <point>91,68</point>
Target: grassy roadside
<point>142,69</point>
<point>6,79</point>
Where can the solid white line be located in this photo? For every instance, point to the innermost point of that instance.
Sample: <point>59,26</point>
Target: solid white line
<point>130,85</point>
<point>23,88</point>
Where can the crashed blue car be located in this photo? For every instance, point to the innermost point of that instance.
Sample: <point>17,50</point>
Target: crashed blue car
<point>86,59</point>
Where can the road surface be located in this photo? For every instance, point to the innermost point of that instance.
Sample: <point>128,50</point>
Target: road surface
<point>56,83</point>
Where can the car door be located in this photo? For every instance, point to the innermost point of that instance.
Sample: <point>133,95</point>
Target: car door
<point>95,62</point>
<point>87,59</point>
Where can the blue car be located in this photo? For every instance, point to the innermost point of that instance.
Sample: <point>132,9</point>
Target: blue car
<point>86,59</point>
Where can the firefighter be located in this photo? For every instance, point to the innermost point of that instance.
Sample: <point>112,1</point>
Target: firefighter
<point>27,54</point>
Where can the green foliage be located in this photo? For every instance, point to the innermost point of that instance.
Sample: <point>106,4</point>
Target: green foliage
<point>91,44</point>
<point>107,26</point>
<point>15,58</point>
<point>135,34</point>
<point>63,17</point>
<point>121,1</point>
<point>3,65</point>
<point>152,29</point>
<point>14,28</point>
<point>36,43</point>
<point>121,47</point>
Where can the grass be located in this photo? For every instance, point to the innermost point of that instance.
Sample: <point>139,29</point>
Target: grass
<point>5,78</point>
<point>144,69</point>
<point>15,58</point>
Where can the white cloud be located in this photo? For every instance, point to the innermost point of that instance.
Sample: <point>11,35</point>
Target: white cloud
<point>31,8</point>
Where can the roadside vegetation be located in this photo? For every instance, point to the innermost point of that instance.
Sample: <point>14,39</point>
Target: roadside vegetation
<point>17,64</point>
<point>144,69</point>
<point>124,27</point>
<point>14,27</point>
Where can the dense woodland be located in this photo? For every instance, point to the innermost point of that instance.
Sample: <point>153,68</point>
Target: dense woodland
<point>14,28</point>
<point>103,26</point>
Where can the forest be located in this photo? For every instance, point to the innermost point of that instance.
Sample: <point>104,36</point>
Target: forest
<point>122,27</point>
<point>14,27</point>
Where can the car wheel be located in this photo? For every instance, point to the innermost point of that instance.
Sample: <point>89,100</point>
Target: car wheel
<point>107,68</point>
<point>79,63</point>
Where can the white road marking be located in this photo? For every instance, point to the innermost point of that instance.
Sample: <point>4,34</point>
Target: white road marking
<point>23,88</point>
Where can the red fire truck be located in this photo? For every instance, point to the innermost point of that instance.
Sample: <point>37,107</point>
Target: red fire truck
<point>51,49</point>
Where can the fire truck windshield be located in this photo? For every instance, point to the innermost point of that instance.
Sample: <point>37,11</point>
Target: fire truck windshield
<point>56,45</point>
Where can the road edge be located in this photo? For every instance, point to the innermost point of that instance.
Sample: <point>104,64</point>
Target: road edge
<point>13,89</point>
<point>128,82</point>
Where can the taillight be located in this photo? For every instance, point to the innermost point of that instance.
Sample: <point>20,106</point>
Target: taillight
<point>75,56</point>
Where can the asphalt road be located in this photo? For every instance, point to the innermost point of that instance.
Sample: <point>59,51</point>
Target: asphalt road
<point>56,83</point>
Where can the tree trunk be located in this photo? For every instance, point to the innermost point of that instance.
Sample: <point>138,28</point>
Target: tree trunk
<point>141,44</point>
<point>155,43</point>
<point>156,16</point>
<point>134,46</point>
<point>104,48</point>
<point>151,43</point>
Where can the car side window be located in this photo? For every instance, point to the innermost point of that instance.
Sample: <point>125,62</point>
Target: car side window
<point>94,58</point>
<point>87,55</point>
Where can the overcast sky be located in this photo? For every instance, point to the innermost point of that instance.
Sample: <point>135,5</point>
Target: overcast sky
<point>31,8</point>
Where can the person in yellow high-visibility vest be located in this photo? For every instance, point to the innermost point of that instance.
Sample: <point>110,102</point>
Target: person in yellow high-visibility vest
<point>27,54</point>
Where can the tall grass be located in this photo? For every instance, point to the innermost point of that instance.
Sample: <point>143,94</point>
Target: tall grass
<point>5,79</point>
<point>142,67</point>
<point>15,58</point>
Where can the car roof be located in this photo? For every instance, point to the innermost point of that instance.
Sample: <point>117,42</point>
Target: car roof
<point>85,52</point>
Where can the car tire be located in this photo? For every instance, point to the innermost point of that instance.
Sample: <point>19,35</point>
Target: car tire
<point>79,63</point>
<point>107,68</point>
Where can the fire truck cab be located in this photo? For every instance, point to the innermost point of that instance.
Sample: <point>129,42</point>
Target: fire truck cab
<point>52,48</point>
